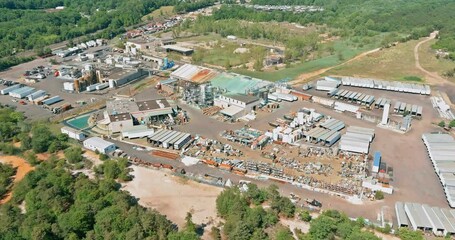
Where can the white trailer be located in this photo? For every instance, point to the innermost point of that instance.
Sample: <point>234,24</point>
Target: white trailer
<point>10,89</point>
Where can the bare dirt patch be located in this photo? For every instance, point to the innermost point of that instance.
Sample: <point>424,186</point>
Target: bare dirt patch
<point>23,167</point>
<point>173,197</point>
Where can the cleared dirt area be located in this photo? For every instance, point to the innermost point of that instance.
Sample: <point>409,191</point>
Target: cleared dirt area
<point>23,167</point>
<point>173,196</point>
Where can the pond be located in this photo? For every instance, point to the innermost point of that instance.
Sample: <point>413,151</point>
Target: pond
<point>80,122</point>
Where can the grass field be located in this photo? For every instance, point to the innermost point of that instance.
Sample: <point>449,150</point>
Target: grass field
<point>346,49</point>
<point>395,63</point>
<point>223,54</point>
<point>431,63</point>
<point>162,12</point>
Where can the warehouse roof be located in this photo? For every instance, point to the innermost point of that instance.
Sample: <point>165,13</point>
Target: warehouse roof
<point>231,111</point>
<point>152,104</point>
<point>416,215</point>
<point>120,117</point>
<point>401,214</point>
<point>242,98</point>
<point>98,143</point>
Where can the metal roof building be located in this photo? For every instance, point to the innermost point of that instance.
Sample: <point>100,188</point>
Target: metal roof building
<point>440,147</point>
<point>333,124</point>
<point>22,92</point>
<point>417,217</point>
<point>387,85</point>
<point>96,143</point>
<point>441,221</point>
<point>168,138</point>
<point>357,139</point>
<point>402,218</point>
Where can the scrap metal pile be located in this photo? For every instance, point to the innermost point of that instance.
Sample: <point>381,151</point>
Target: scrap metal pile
<point>204,147</point>
<point>247,136</point>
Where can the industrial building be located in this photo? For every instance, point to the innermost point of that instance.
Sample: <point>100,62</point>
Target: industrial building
<point>326,136</point>
<point>169,139</point>
<point>36,95</point>
<point>333,124</point>
<point>138,131</point>
<point>21,92</point>
<point>237,105</point>
<point>440,221</point>
<point>99,144</point>
<point>52,100</point>
<point>10,89</point>
<point>387,85</point>
<point>143,111</point>
<point>73,133</point>
<point>136,45</point>
<point>354,97</point>
<point>324,85</point>
<point>178,49</point>
<point>441,149</point>
<point>357,139</point>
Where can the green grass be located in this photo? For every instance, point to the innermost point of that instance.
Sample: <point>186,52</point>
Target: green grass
<point>413,78</point>
<point>221,56</point>
<point>346,48</point>
<point>162,12</point>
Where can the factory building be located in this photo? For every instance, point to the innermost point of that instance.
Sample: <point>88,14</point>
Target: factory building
<point>357,139</point>
<point>99,144</point>
<point>120,122</point>
<point>169,139</point>
<point>237,105</point>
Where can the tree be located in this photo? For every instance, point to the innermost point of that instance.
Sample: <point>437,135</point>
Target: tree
<point>322,227</point>
<point>442,124</point>
<point>452,124</point>
<point>189,224</point>
<point>241,232</point>
<point>41,138</point>
<point>407,234</point>
<point>258,65</point>
<point>74,155</point>
<point>284,234</point>
<point>305,216</point>
<point>379,195</point>
<point>259,234</point>
<point>103,157</point>
<point>283,205</point>
<point>31,158</point>
<point>255,194</point>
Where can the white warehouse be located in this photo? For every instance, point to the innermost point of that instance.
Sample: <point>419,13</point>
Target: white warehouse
<point>99,144</point>
<point>73,133</point>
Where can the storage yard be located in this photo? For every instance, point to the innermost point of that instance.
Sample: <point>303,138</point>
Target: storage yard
<point>334,138</point>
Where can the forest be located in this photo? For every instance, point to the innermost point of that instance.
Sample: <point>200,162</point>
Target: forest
<point>363,17</point>
<point>26,25</point>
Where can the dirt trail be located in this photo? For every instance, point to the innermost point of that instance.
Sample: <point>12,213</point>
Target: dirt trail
<point>431,77</point>
<point>305,76</point>
<point>23,167</point>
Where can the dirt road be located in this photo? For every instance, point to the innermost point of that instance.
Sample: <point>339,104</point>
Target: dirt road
<point>305,76</point>
<point>431,77</point>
